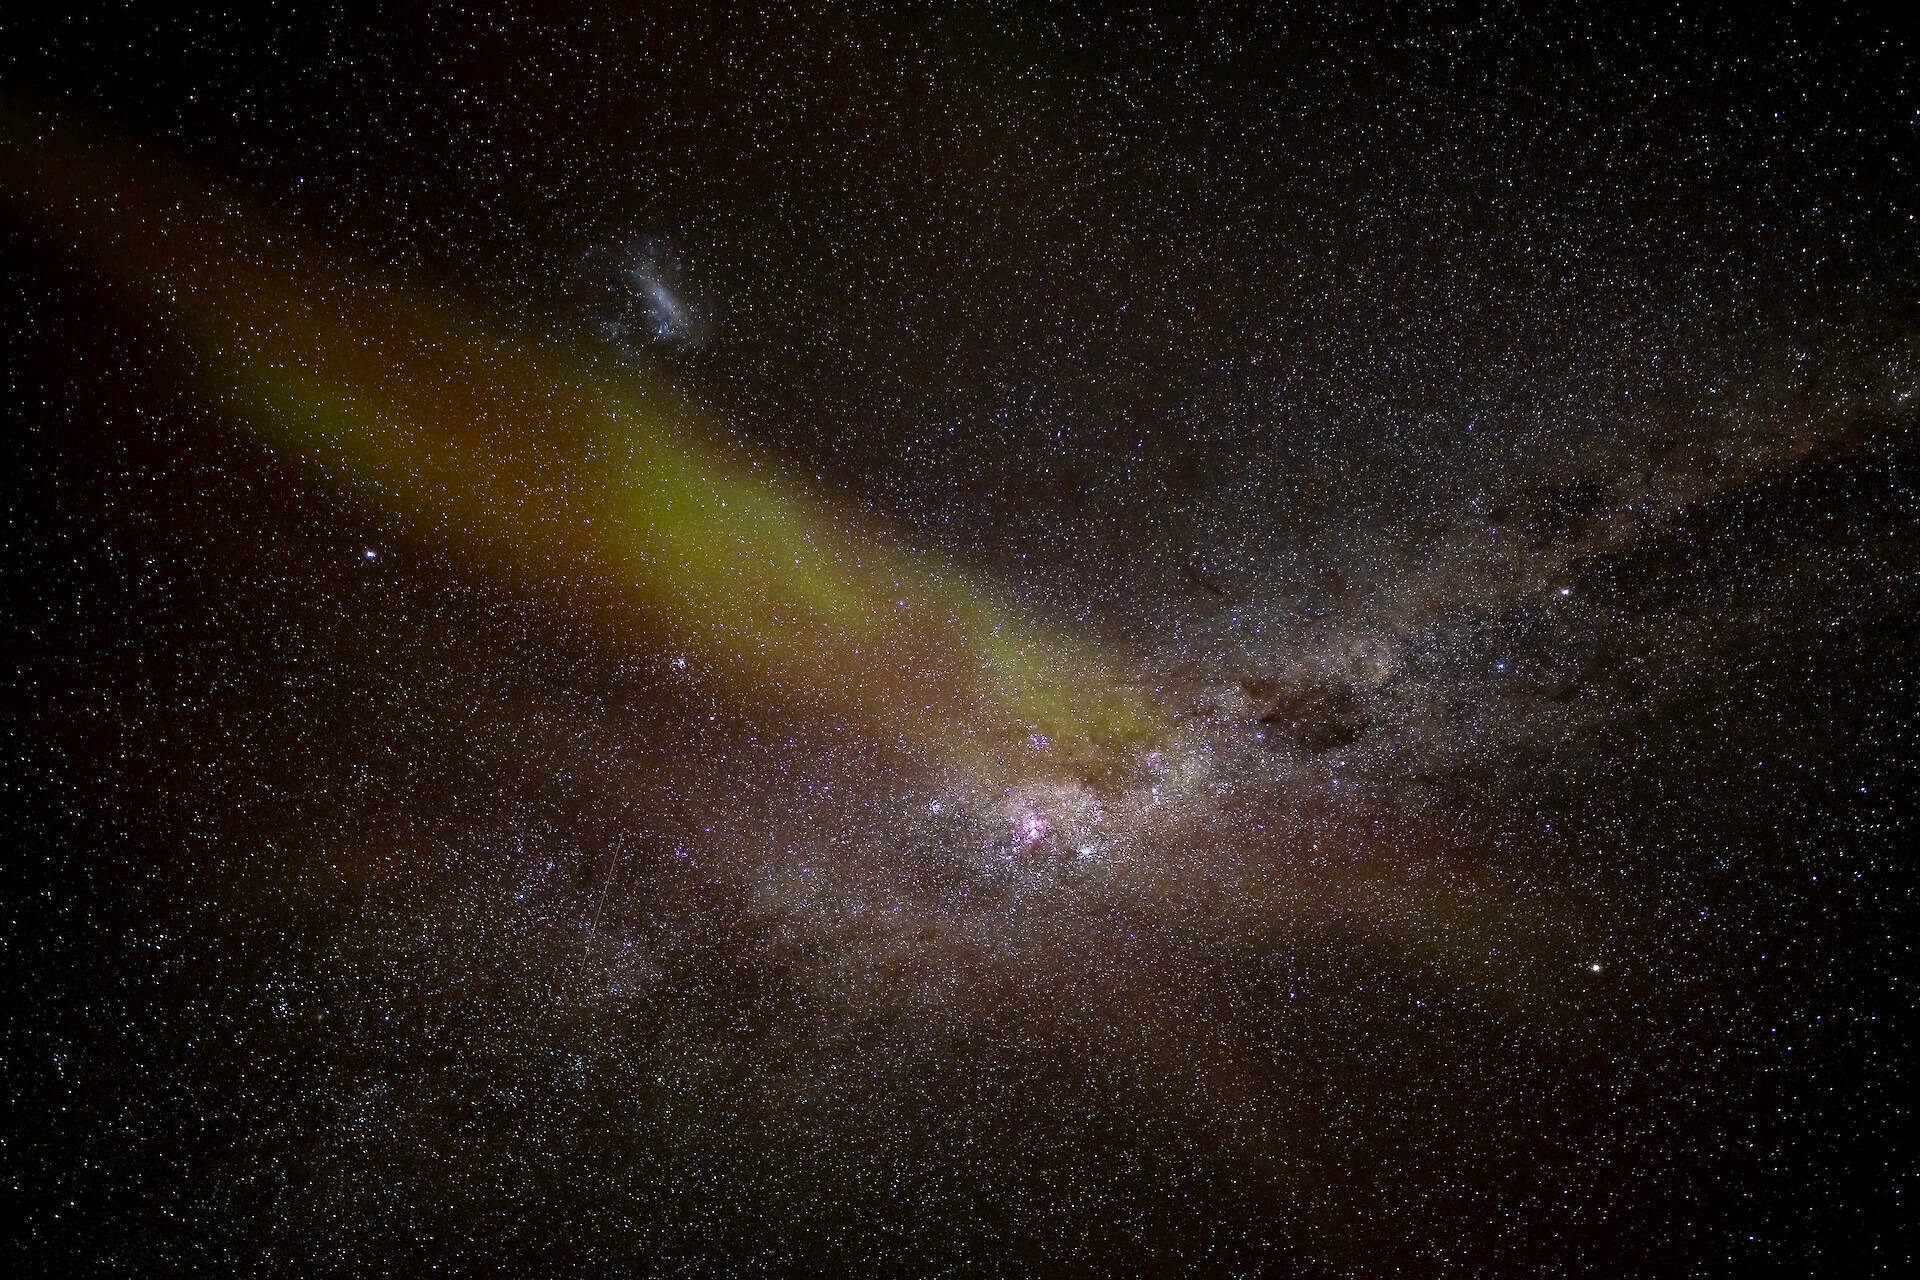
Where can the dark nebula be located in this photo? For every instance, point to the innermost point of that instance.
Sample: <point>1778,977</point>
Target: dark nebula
<point>1347,701</point>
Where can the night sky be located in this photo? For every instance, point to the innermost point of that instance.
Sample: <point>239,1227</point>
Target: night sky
<point>960,640</point>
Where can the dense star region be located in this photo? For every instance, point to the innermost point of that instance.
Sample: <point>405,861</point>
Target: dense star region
<point>983,640</point>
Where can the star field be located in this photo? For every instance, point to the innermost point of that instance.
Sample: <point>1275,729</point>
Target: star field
<point>1001,640</point>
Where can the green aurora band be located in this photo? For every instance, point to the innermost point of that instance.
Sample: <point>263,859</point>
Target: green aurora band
<point>559,478</point>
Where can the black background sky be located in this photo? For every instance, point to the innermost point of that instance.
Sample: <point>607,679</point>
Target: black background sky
<point>1491,428</point>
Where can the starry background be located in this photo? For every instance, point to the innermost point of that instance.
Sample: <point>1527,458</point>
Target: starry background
<point>1487,431</point>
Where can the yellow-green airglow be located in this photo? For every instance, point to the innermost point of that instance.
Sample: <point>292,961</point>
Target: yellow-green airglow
<point>525,458</point>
